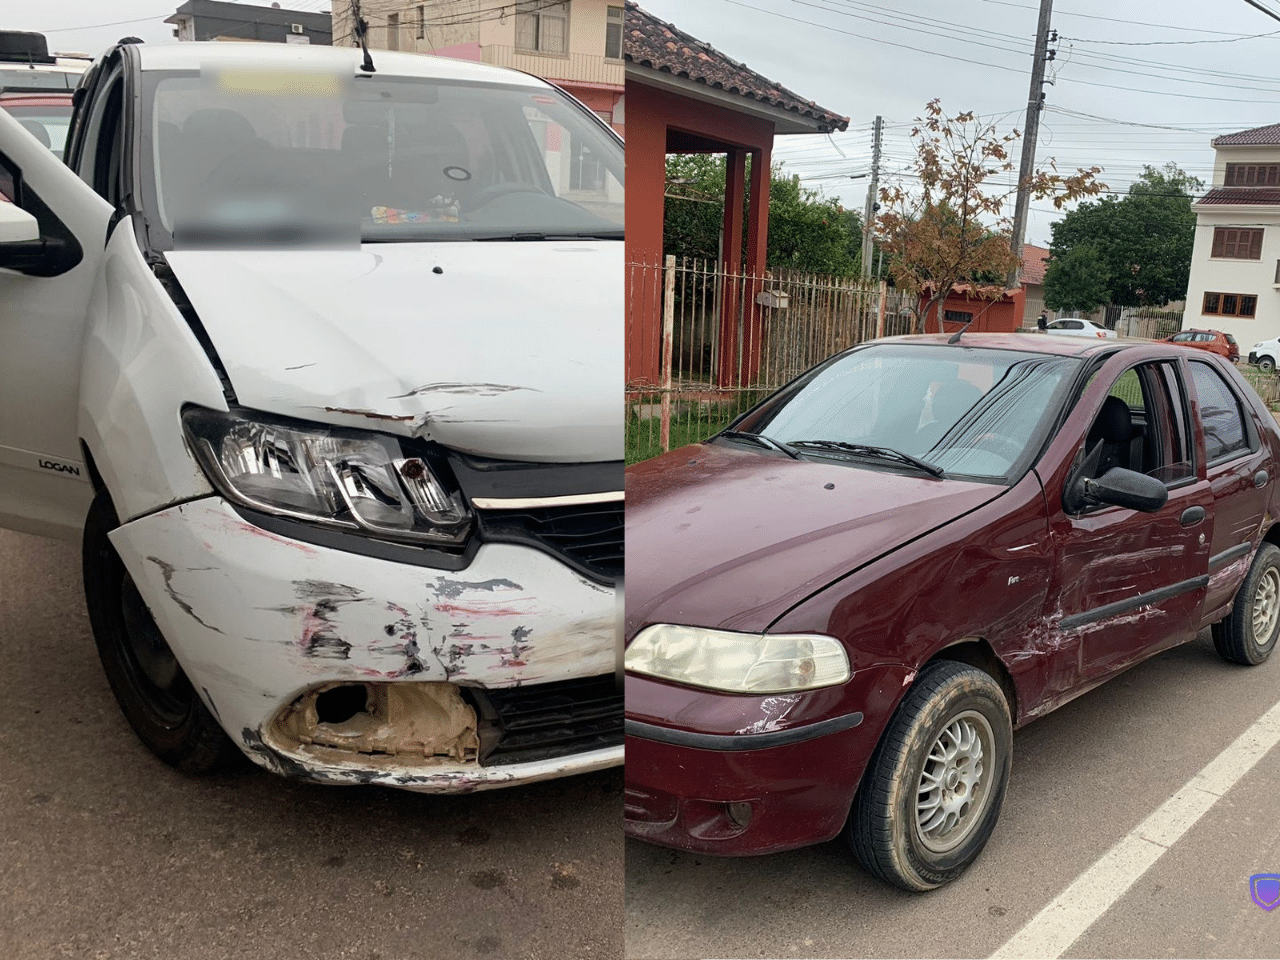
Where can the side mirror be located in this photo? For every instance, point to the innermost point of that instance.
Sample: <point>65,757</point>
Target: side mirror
<point>1122,488</point>
<point>16,225</point>
<point>23,249</point>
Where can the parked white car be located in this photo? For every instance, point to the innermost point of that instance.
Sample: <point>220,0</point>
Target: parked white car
<point>322,366</point>
<point>1265,355</point>
<point>1080,328</point>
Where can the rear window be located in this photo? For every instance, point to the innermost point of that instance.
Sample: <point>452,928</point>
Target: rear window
<point>1231,340</point>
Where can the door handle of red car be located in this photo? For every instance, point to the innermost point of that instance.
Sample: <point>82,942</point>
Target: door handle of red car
<point>1192,515</point>
<point>1260,478</point>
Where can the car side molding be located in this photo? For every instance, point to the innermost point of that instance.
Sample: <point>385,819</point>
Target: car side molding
<point>1133,603</point>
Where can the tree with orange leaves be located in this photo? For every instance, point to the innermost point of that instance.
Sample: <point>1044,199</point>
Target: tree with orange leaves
<point>947,228</point>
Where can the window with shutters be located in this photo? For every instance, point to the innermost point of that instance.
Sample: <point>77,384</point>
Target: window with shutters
<point>1253,175</point>
<point>1237,244</point>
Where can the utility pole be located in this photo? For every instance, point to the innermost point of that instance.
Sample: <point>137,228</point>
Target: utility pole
<point>868,216</point>
<point>1030,133</point>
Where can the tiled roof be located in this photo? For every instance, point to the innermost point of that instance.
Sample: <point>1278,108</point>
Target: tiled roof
<point>1035,260</point>
<point>664,48</point>
<point>1242,195</point>
<point>1256,136</point>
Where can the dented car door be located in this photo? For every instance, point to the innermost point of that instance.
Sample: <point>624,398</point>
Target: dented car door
<point>1132,582</point>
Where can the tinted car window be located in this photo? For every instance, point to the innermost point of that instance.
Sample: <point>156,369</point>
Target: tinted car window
<point>972,412</point>
<point>1220,413</point>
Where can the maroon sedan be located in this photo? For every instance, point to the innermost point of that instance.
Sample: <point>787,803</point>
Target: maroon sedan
<point>838,609</point>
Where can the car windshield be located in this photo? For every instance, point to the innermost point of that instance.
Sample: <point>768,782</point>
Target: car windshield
<point>238,153</point>
<point>966,411</point>
<point>47,124</point>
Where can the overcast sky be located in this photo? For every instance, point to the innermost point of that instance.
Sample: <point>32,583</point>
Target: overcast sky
<point>1135,81</point>
<point>90,26</point>
<point>1136,68</point>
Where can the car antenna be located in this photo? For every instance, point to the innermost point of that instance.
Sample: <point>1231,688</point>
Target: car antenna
<point>361,31</point>
<point>955,337</point>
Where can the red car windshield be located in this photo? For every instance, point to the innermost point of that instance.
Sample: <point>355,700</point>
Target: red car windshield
<point>974,412</point>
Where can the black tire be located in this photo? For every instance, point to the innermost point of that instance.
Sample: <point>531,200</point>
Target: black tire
<point>1266,365</point>
<point>885,828</point>
<point>155,695</point>
<point>1256,608</point>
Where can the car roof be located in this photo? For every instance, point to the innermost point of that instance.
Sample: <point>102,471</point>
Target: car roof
<point>1029,343</point>
<point>192,56</point>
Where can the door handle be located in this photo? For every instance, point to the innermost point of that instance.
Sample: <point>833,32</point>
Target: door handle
<point>1192,515</point>
<point>1260,478</point>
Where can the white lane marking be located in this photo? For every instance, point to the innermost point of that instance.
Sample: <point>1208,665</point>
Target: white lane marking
<point>1055,928</point>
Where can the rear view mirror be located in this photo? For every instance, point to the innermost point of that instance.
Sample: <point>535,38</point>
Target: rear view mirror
<point>1126,488</point>
<point>16,225</point>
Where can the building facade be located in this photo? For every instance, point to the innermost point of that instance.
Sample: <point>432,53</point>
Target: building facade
<point>216,20</point>
<point>576,44</point>
<point>1235,266</point>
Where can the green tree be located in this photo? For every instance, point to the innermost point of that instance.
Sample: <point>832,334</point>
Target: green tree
<point>947,227</point>
<point>806,231</point>
<point>1142,243</point>
<point>1076,281</point>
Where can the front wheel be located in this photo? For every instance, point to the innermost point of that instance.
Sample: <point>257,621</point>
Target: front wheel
<point>932,791</point>
<point>1267,365</point>
<point>155,695</point>
<point>1249,634</point>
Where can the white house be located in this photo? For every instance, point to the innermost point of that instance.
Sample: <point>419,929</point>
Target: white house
<point>1235,266</point>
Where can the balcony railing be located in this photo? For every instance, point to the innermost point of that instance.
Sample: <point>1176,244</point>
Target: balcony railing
<point>582,67</point>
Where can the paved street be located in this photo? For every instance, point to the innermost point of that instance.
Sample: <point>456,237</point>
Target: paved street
<point>107,853</point>
<point>1083,778</point>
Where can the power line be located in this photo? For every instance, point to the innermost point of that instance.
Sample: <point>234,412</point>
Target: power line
<point>1269,12</point>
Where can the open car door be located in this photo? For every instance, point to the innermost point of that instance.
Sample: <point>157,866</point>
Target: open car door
<point>53,229</point>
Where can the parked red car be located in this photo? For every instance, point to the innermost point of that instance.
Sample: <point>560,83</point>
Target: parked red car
<point>839,608</point>
<point>1215,341</point>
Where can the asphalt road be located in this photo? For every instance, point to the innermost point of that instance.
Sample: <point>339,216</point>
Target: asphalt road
<point>1083,778</point>
<point>107,853</point>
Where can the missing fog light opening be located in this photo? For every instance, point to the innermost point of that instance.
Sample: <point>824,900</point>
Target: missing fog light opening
<point>406,720</point>
<point>740,813</point>
<point>340,704</point>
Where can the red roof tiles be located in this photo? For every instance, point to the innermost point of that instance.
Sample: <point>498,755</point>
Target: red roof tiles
<point>1035,260</point>
<point>659,46</point>
<point>1263,195</point>
<point>1255,137</point>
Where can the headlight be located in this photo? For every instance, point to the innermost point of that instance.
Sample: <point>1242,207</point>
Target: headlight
<point>341,478</point>
<point>738,662</point>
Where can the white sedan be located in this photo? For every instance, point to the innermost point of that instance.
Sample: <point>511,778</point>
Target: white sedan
<point>1079,328</point>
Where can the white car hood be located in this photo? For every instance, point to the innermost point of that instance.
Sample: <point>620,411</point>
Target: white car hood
<point>512,350</point>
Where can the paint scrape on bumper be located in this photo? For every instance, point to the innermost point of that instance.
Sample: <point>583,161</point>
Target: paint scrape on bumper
<point>348,668</point>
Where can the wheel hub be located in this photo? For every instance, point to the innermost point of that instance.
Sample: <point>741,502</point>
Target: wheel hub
<point>146,643</point>
<point>952,793</point>
<point>1266,606</point>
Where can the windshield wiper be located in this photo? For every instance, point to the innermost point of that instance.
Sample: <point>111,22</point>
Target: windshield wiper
<point>762,440</point>
<point>881,453</point>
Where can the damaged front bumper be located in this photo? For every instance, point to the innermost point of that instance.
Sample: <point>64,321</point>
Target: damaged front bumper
<point>344,668</point>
